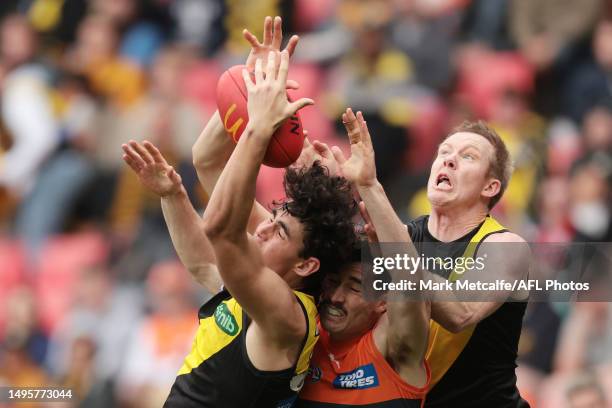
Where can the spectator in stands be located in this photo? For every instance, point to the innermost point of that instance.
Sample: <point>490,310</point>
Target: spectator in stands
<point>546,30</point>
<point>165,116</point>
<point>161,339</point>
<point>30,167</point>
<point>591,84</point>
<point>550,34</point>
<point>586,392</point>
<point>590,203</point>
<point>22,325</point>
<point>26,111</point>
<point>95,56</point>
<point>428,33</point>
<point>104,313</point>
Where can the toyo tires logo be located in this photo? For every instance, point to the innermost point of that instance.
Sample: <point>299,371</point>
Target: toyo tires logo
<point>225,320</point>
<point>362,377</point>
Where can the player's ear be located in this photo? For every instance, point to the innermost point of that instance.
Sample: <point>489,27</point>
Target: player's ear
<point>381,306</point>
<point>307,266</point>
<point>491,189</point>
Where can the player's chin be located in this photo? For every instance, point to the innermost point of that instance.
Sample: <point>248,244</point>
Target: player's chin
<point>332,326</point>
<point>439,197</point>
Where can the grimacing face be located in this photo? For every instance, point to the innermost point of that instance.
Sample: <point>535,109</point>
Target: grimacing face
<point>280,239</point>
<point>343,311</point>
<point>460,172</point>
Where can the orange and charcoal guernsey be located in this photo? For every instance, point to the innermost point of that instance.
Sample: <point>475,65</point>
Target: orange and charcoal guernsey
<point>355,373</point>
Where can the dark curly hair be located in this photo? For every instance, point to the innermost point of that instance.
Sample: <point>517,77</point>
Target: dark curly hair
<point>325,206</point>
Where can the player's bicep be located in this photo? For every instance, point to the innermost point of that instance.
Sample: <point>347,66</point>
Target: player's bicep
<point>207,275</point>
<point>506,259</point>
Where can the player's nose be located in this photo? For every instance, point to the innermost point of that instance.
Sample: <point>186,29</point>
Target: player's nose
<point>450,162</point>
<point>337,296</point>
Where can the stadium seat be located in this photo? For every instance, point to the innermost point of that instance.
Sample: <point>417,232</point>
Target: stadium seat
<point>12,271</point>
<point>62,259</point>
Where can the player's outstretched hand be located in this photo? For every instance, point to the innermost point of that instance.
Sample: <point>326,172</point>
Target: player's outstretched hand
<point>268,105</point>
<point>273,37</point>
<point>360,168</point>
<point>152,168</point>
<point>318,151</point>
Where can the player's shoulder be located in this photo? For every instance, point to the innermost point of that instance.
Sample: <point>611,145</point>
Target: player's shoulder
<point>505,236</point>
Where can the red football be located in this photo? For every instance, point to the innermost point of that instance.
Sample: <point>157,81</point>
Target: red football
<point>286,143</point>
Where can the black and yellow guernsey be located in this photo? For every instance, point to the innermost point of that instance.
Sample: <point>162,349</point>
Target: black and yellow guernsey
<point>218,373</point>
<point>475,367</point>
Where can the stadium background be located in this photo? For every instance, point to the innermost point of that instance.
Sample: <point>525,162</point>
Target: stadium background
<point>91,294</point>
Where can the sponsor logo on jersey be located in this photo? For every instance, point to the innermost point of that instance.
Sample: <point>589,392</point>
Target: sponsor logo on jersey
<point>226,320</point>
<point>360,378</point>
<point>314,373</point>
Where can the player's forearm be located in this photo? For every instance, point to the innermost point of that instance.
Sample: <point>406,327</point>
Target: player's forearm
<point>211,151</point>
<point>389,227</point>
<point>454,316</point>
<point>190,242</point>
<point>409,320</point>
<point>228,210</point>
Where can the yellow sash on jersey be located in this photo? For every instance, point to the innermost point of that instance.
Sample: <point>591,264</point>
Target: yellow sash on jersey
<point>444,346</point>
<point>219,330</point>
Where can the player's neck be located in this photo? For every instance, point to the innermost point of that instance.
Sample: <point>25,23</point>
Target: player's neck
<point>448,225</point>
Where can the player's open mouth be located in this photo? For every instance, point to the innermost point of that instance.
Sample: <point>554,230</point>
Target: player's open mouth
<point>333,312</point>
<point>443,181</point>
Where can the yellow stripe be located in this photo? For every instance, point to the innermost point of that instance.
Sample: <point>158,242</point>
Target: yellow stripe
<point>313,336</point>
<point>210,338</point>
<point>444,346</point>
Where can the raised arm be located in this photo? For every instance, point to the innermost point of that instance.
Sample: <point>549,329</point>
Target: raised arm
<point>263,294</point>
<point>213,148</point>
<point>184,224</point>
<point>402,336</point>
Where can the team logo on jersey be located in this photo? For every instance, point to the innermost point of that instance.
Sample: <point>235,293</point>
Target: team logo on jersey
<point>360,378</point>
<point>226,320</point>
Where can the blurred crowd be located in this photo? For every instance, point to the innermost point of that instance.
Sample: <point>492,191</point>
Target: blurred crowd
<point>91,294</point>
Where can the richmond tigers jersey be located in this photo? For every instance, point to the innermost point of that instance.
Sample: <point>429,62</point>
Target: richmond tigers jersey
<point>475,367</point>
<point>218,373</point>
<point>355,373</point>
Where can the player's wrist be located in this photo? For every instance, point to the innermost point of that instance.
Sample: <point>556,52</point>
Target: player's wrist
<point>260,130</point>
<point>369,186</point>
<point>174,193</point>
